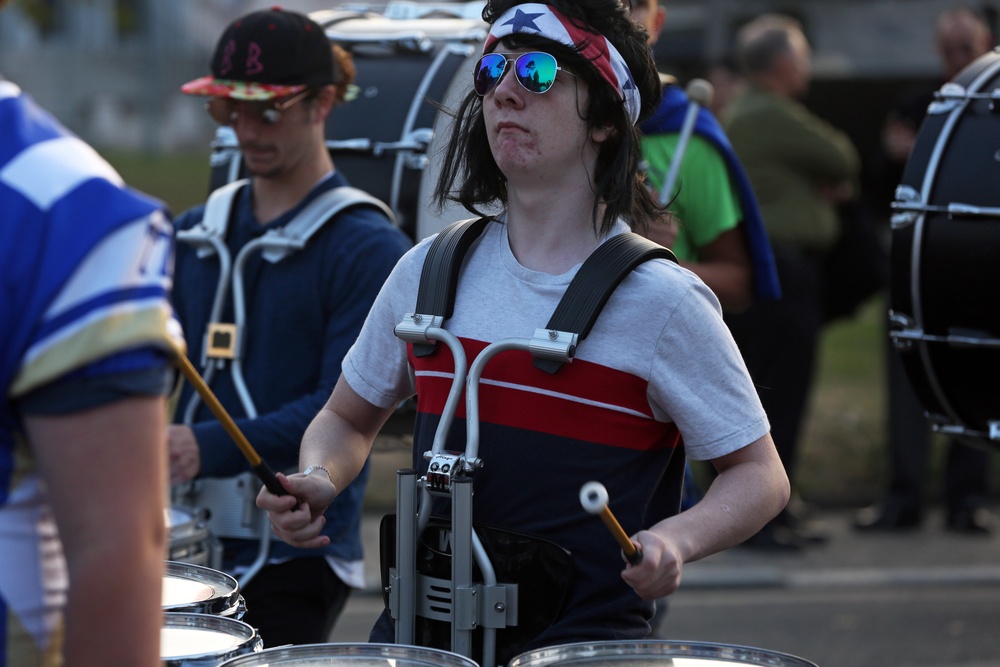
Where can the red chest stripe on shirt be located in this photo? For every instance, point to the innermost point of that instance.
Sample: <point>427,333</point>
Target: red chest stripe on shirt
<point>583,400</point>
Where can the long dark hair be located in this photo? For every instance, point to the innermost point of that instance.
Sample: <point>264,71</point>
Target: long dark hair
<point>470,175</point>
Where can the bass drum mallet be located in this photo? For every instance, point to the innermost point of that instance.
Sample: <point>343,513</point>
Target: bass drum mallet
<point>594,498</point>
<point>700,93</point>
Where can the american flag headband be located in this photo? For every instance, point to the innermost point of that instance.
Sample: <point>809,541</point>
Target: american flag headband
<point>548,22</point>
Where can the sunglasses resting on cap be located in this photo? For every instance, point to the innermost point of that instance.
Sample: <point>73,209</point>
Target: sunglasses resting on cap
<point>535,71</point>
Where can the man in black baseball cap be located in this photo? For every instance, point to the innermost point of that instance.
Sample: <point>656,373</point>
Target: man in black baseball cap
<point>275,79</point>
<point>265,55</point>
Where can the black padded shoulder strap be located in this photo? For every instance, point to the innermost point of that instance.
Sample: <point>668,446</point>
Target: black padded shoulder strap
<point>579,307</point>
<point>439,275</point>
<point>594,283</point>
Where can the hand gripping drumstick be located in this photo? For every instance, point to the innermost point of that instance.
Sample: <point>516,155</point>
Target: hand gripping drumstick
<point>700,94</point>
<point>594,498</point>
<point>260,467</point>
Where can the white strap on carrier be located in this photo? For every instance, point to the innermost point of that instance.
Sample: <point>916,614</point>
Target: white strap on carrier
<point>280,242</point>
<point>233,511</point>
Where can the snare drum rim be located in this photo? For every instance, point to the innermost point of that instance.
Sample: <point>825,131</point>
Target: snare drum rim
<point>223,604</point>
<point>431,657</point>
<point>250,641</point>
<point>555,655</point>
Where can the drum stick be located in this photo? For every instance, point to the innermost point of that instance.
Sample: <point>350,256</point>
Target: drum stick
<point>594,498</point>
<point>260,467</point>
<point>699,94</point>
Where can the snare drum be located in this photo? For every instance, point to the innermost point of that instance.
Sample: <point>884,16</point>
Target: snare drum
<point>202,640</point>
<point>352,655</point>
<point>386,137</point>
<point>655,654</point>
<point>190,540</point>
<point>201,590</point>
<point>945,231</point>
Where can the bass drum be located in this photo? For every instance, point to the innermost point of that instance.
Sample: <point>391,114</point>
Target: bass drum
<point>654,654</point>
<point>387,136</point>
<point>944,315</point>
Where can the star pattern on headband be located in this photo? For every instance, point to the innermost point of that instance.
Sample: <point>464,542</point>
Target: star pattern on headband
<point>630,82</point>
<point>524,20</point>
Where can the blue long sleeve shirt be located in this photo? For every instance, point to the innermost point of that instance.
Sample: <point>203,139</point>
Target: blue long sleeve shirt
<point>302,315</point>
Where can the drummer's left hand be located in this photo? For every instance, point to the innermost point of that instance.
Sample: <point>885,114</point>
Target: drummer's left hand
<point>659,572</point>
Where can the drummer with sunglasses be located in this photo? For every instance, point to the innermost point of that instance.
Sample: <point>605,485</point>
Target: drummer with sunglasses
<point>274,79</point>
<point>547,133</point>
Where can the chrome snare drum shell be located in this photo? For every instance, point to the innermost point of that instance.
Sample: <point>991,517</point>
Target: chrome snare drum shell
<point>201,590</point>
<point>203,640</point>
<point>189,537</point>
<point>351,655</point>
<point>652,652</point>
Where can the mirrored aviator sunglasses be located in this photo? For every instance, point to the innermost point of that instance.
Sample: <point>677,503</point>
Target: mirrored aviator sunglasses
<point>535,71</point>
<point>225,111</point>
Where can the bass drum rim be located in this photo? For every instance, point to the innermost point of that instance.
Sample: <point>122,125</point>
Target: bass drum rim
<point>598,653</point>
<point>430,220</point>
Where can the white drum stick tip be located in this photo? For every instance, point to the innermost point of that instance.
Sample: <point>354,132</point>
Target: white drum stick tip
<point>593,497</point>
<point>700,92</point>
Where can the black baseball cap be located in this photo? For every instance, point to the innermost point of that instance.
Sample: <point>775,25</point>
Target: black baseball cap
<point>267,54</point>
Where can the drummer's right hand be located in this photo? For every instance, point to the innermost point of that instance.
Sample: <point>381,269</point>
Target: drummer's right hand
<point>292,516</point>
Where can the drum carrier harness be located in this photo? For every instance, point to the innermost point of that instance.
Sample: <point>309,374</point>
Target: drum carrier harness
<point>463,603</point>
<point>232,500</point>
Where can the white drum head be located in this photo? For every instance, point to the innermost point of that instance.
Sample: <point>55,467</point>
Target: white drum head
<point>352,655</point>
<point>189,640</point>
<point>654,654</point>
<point>197,589</point>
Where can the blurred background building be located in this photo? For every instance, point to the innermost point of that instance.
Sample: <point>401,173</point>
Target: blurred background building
<point>110,69</point>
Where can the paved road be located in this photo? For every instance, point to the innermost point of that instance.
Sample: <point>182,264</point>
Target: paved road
<point>898,626</point>
<point>923,599</point>
<point>925,626</point>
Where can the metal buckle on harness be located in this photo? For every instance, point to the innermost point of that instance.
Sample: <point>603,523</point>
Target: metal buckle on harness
<point>553,345</point>
<point>443,468</point>
<point>220,340</point>
<point>413,328</point>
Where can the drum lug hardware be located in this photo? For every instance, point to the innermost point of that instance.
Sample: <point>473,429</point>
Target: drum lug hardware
<point>414,148</point>
<point>902,330</point>
<point>949,97</point>
<point>906,208</point>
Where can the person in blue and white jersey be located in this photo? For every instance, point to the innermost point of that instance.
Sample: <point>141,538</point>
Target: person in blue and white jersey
<point>86,340</point>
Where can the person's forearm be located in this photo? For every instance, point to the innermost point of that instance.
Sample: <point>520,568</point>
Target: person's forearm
<point>331,442</point>
<point>738,503</point>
